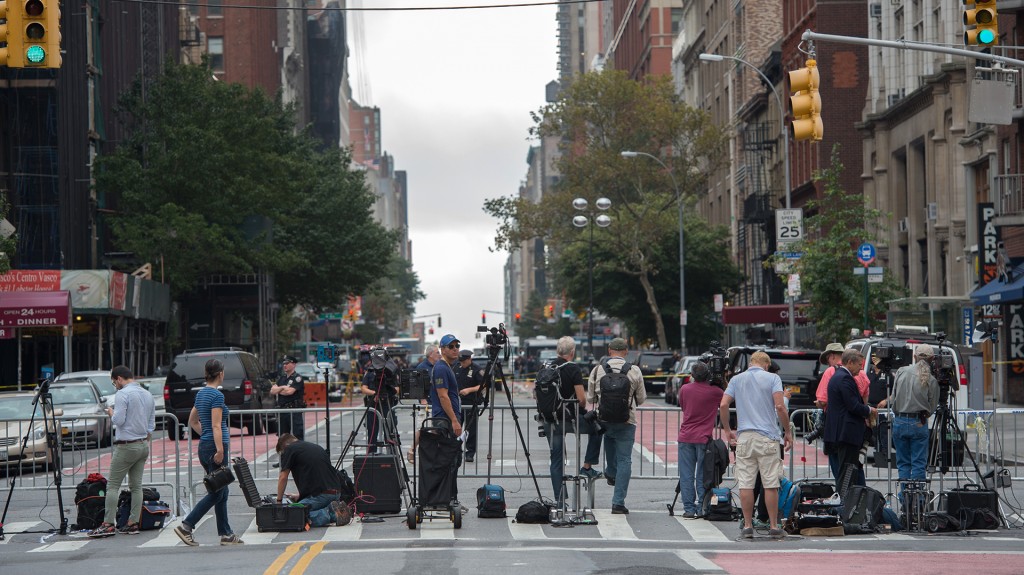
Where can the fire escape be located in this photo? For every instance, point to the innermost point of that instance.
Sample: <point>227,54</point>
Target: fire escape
<point>755,234</point>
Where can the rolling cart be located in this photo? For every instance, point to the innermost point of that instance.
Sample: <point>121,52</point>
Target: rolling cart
<point>438,458</point>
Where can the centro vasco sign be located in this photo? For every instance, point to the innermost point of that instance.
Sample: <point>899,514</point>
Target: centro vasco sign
<point>35,309</point>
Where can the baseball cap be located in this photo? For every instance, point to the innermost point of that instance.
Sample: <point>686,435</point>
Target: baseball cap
<point>466,354</point>
<point>618,344</point>
<point>448,339</point>
<point>289,358</point>
<point>924,350</point>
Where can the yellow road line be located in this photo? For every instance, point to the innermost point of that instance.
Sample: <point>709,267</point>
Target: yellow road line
<point>307,558</point>
<point>283,558</point>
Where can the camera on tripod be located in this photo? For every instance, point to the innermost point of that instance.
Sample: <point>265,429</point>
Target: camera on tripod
<point>892,356</point>
<point>495,340</point>
<point>717,360</point>
<point>414,383</point>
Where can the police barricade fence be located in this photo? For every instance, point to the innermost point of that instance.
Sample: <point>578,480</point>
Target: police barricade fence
<point>85,443</point>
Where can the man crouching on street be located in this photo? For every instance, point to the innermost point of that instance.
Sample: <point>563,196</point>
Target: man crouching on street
<point>316,479</point>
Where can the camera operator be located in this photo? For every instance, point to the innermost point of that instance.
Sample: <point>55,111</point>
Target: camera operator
<point>915,395</point>
<point>471,379</point>
<point>380,392</point>
<point>699,401</point>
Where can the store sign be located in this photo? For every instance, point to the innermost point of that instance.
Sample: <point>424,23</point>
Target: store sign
<point>35,309</point>
<point>988,242</point>
<point>30,280</point>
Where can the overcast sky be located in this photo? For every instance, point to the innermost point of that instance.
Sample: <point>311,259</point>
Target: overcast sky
<point>455,90</point>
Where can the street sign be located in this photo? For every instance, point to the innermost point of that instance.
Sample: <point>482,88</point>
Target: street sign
<point>332,316</point>
<point>6,333</point>
<point>794,285</point>
<point>719,303</point>
<point>874,278</point>
<point>324,353</point>
<point>872,271</point>
<point>968,325</point>
<point>785,266</point>
<point>789,226</point>
<point>866,254</point>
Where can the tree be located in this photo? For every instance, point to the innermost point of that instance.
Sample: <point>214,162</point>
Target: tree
<point>600,115</point>
<point>392,296</point>
<point>213,178</point>
<point>840,222</point>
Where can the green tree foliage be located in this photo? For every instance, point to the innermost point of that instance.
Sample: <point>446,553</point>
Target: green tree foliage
<point>839,224</point>
<point>392,296</point>
<point>8,244</point>
<point>599,116</point>
<point>213,178</point>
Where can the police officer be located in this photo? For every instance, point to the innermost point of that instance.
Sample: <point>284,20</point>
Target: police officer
<point>289,389</point>
<point>471,378</point>
<point>380,392</point>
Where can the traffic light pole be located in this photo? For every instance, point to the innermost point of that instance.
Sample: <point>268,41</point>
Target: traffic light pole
<point>905,45</point>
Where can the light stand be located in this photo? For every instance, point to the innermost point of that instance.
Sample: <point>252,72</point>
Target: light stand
<point>602,221</point>
<point>566,516</point>
<point>44,398</point>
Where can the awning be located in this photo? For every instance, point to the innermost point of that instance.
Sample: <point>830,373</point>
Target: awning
<point>35,309</point>
<point>744,314</point>
<point>997,292</point>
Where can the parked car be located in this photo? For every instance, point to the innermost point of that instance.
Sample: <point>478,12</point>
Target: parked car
<point>309,371</point>
<point>77,398</point>
<point>680,377</point>
<point>798,368</point>
<point>656,367</point>
<point>245,387</point>
<point>15,413</point>
<point>155,386</point>
<point>99,379</point>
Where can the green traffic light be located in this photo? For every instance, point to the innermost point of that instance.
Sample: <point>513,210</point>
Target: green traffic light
<point>986,37</point>
<point>35,54</point>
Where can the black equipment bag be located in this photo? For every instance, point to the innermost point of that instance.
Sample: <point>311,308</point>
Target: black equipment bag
<point>282,517</point>
<point>490,501</point>
<point>716,461</point>
<point>124,506</point>
<point>439,455</point>
<point>91,499</point>
<point>547,389</point>
<point>811,521</point>
<point>862,509</point>
<point>346,489</point>
<point>218,479</point>
<point>378,483</point>
<point>155,513</point>
<point>719,505</point>
<point>976,508</point>
<point>616,394</point>
<point>533,512</point>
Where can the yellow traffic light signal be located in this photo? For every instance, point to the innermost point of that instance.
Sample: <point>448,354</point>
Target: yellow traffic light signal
<point>806,103</point>
<point>41,40</point>
<point>981,23</point>
<point>13,56</point>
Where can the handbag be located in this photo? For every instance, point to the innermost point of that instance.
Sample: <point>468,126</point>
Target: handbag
<point>218,479</point>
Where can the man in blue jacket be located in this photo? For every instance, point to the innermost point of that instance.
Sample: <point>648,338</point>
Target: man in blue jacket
<point>846,427</point>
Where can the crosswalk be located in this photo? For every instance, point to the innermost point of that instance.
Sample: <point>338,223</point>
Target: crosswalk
<point>641,526</point>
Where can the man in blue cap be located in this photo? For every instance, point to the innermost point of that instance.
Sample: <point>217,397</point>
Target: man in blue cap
<point>446,403</point>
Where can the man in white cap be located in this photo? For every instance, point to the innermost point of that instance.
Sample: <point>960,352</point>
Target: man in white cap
<point>915,395</point>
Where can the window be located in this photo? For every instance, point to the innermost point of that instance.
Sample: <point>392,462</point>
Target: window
<point>193,7</point>
<point>215,50</point>
<point>214,8</point>
<point>677,17</point>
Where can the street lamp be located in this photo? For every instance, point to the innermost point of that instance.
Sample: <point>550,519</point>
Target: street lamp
<point>785,158</point>
<point>602,220</point>
<point>682,250</point>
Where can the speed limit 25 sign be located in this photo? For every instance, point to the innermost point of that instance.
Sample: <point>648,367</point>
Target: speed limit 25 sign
<point>789,225</point>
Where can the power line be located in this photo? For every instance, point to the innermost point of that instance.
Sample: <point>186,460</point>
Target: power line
<point>357,9</point>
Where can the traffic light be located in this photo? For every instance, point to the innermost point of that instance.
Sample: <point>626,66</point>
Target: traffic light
<point>981,23</point>
<point>806,103</point>
<point>549,311</point>
<point>517,316</point>
<point>438,321</point>
<point>13,55</point>
<point>483,318</point>
<point>32,34</point>
<point>432,330</point>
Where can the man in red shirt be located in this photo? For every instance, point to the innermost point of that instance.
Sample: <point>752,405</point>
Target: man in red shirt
<point>832,357</point>
<point>699,401</point>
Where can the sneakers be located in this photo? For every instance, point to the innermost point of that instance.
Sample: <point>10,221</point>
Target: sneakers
<point>747,533</point>
<point>104,530</point>
<point>689,515</point>
<point>342,513</point>
<point>469,456</point>
<point>619,510</point>
<point>777,534</point>
<point>590,473</point>
<point>129,529</point>
<point>185,534</point>
<point>758,524</point>
<point>231,540</point>
<point>610,480</point>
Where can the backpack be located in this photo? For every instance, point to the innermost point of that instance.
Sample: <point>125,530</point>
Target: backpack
<point>533,512</point>
<point>862,510</point>
<point>346,489</point>
<point>716,461</point>
<point>789,497</point>
<point>719,505</point>
<point>548,391</point>
<point>90,497</point>
<point>616,394</point>
<point>490,501</point>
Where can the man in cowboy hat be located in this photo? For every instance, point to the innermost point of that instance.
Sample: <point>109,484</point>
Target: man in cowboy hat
<point>832,357</point>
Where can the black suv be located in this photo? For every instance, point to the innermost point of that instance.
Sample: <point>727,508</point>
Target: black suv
<point>245,386</point>
<point>657,368</point>
<point>798,368</point>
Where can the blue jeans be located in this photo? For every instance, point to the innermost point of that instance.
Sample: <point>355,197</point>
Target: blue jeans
<point>554,433</point>
<point>691,475</point>
<point>217,500</point>
<point>618,457</point>
<point>910,439</point>
<point>320,512</point>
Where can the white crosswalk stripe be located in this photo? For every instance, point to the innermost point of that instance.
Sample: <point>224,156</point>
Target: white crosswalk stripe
<point>613,527</point>
<point>525,531</point>
<point>10,529</point>
<point>252,535</point>
<point>705,531</point>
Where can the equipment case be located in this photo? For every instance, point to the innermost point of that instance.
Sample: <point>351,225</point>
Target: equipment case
<point>378,489</point>
<point>971,496</point>
<point>269,516</point>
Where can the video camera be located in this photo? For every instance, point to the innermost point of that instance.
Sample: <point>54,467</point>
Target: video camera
<point>495,340</point>
<point>717,360</point>
<point>414,383</point>
<point>892,356</point>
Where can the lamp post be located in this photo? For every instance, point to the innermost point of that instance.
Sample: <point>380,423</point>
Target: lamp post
<point>682,250</point>
<point>602,220</point>
<point>785,158</point>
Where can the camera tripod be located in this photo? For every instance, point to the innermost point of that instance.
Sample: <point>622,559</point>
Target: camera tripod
<point>391,441</point>
<point>564,515</point>
<point>45,399</point>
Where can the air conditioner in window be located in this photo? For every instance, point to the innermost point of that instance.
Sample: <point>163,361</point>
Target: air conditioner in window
<point>875,10</point>
<point>904,225</point>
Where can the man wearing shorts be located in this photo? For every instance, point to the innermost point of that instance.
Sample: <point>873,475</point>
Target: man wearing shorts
<point>759,411</point>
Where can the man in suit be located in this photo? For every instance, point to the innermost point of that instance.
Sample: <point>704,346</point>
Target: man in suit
<point>846,427</point>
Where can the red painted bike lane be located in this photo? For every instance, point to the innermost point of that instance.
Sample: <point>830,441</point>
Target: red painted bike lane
<point>856,562</point>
